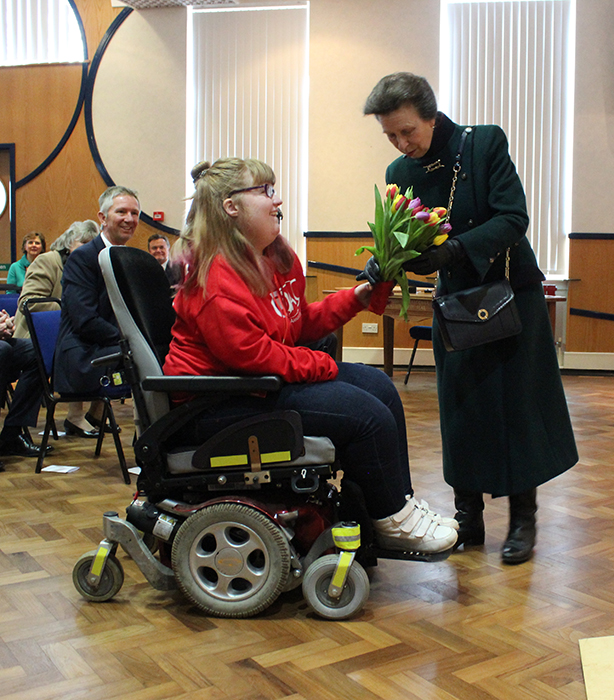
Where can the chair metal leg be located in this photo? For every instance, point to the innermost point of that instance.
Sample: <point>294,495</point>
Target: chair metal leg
<point>118,446</point>
<point>411,361</point>
<point>49,426</point>
<point>103,422</point>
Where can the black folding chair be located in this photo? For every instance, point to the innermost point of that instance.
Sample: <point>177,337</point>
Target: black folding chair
<point>44,327</point>
<point>418,333</point>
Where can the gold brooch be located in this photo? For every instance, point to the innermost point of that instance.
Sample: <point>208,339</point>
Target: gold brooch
<point>434,166</point>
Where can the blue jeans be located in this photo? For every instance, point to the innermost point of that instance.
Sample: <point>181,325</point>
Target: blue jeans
<point>360,411</point>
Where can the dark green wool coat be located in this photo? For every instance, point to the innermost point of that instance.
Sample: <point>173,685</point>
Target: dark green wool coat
<point>504,420</point>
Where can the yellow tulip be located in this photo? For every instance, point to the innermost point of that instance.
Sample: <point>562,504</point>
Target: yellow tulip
<point>442,238</point>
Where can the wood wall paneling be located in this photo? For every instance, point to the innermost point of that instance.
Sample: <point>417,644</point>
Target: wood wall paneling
<point>591,272</point>
<point>41,103</point>
<point>341,251</point>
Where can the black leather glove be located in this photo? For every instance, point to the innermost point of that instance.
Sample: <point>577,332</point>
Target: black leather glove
<point>371,273</point>
<point>436,257</point>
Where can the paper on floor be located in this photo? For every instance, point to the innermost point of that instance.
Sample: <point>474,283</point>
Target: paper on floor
<point>62,469</point>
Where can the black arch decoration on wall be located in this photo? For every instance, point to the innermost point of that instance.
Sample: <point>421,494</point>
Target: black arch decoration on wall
<point>73,122</point>
<point>89,122</point>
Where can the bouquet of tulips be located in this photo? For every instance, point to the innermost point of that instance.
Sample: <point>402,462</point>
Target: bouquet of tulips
<point>403,229</point>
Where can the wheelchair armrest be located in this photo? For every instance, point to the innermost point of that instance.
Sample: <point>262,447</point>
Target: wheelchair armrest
<point>107,359</point>
<point>200,385</point>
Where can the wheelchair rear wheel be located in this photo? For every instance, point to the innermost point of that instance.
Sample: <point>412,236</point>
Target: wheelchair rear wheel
<point>231,560</point>
<point>315,589</point>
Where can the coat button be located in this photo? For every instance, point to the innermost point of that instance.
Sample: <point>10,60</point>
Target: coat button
<point>463,176</point>
<point>470,222</point>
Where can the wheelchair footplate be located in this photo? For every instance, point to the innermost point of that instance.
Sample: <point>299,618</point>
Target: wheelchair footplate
<point>410,555</point>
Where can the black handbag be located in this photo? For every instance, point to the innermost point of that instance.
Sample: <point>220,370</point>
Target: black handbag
<point>478,315</point>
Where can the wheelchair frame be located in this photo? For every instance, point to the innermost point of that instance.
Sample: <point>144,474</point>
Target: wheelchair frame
<point>258,524</point>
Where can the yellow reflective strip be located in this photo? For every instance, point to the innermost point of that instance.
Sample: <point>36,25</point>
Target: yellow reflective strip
<point>345,531</point>
<point>345,560</point>
<point>99,560</point>
<point>269,457</point>
<point>229,461</point>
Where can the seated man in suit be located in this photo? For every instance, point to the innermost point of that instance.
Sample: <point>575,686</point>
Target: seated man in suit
<point>88,328</point>
<point>158,245</point>
<point>17,362</point>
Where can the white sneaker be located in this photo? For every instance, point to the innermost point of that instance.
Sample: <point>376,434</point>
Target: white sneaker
<point>448,522</point>
<point>416,529</point>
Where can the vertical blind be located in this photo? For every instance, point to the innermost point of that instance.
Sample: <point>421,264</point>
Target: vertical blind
<point>247,97</point>
<point>39,31</point>
<point>511,63</point>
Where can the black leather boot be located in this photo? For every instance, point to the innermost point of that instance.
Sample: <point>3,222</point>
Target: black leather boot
<point>470,518</point>
<point>518,547</point>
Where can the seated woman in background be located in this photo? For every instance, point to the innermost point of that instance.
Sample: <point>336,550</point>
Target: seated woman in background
<point>32,246</point>
<point>242,310</point>
<point>44,279</point>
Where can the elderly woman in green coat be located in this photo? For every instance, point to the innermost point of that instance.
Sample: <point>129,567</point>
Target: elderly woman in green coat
<point>504,421</point>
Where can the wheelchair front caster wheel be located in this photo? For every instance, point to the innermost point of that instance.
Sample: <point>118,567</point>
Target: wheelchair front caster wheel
<point>111,580</point>
<point>315,589</point>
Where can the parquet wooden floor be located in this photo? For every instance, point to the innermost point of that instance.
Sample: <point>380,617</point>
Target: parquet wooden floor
<point>464,629</point>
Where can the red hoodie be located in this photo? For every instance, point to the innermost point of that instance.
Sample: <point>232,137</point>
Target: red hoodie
<point>232,331</point>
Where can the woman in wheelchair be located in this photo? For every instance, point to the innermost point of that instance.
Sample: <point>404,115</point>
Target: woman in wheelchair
<point>242,310</point>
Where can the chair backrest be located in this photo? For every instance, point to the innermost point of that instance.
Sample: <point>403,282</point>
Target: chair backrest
<point>8,302</point>
<point>140,295</point>
<point>44,327</point>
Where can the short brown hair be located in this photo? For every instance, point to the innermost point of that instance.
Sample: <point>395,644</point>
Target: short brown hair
<point>400,90</point>
<point>30,237</point>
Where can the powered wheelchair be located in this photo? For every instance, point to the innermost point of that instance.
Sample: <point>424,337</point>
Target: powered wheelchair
<point>238,520</point>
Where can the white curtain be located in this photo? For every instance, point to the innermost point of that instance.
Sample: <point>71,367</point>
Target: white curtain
<point>511,63</point>
<point>39,31</point>
<point>248,97</point>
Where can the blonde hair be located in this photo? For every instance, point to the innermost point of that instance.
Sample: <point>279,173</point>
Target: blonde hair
<point>211,231</point>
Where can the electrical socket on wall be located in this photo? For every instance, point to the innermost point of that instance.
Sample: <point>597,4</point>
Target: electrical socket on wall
<point>369,327</point>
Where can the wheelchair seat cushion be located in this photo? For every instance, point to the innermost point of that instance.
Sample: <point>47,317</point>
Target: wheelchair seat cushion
<point>317,451</point>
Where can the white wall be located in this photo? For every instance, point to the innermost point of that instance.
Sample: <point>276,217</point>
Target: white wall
<point>139,110</point>
<point>139,105</point>
<point>593,172</point>
<point>354,43</point>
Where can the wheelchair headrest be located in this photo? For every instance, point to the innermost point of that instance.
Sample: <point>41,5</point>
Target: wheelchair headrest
<point>147,294</point>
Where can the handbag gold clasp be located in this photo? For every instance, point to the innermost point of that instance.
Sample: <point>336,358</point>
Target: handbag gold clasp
<point>482,314</point>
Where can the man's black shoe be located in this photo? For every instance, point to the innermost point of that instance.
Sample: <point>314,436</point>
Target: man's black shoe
<point>2,467</point>
<point>21,447</point>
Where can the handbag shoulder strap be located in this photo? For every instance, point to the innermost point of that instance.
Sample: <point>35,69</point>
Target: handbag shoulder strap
<point>457,166</point>
<point>456,169</point>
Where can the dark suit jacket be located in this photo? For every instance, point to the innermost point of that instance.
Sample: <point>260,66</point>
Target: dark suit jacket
<point>173,275</point>
<point>88,327</point>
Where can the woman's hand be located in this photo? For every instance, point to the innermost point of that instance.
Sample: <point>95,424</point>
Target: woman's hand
<point>363,292</point>
<point>7,325</point>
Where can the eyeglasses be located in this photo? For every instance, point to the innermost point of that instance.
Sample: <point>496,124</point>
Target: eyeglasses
<point>268,190</point>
